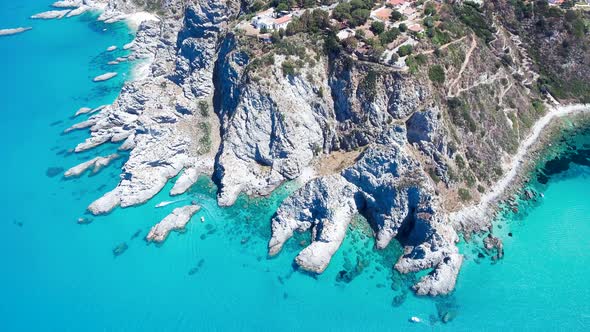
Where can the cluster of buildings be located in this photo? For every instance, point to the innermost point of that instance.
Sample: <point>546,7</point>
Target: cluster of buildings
<point>270,21</point>
<point>405,7</point>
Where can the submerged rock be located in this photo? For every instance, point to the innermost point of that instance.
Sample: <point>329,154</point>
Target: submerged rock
<point>120,249</point>
<point>398,300</point>
<point>54,171</point>
<point>494,246</point>
<point>84,221</point>
<point>447,309</point>
<point>196,268</point>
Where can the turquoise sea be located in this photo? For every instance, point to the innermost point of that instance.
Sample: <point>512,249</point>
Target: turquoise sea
<point>57,275</point>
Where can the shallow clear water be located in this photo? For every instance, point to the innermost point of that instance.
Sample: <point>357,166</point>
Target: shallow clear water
<point>61,276</point>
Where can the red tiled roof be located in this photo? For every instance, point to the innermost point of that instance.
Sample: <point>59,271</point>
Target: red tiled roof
<point>396,2</point>
<point>383,14</point>
<point>283,19</point>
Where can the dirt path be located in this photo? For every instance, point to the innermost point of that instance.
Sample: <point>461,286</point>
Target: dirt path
<point>463,67</point>
<point>479,212</point>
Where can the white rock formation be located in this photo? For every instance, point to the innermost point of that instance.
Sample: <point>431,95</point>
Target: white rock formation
<point>391,190</point>
<point>67,4</point>
<point>78,11</point>
<point>83,110</point>
<point>271,136</point>
<point>104,77</point>
<point>14,31</point>
<point>185,181</point>
<point>51,14</point>
<point>174,221</point>
<point>272,130</point>
<point>98,163</point>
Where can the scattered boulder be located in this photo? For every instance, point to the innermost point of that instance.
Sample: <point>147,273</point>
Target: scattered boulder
<point>120,249</point>
<point>54,171</point>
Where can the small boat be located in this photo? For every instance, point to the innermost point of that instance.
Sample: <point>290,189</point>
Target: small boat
<point>415,319</point>
<point>542,195</point>
<point>202,219</point>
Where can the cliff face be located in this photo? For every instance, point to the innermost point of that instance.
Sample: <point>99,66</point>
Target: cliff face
<point>366,139</point>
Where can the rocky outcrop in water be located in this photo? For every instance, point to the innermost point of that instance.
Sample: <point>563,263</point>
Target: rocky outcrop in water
<point>176,220</point>
<point>366,139</point>
<point>96,164</point>
<point>13,31</point>
<point>155,115</point>
<point>388,187</point>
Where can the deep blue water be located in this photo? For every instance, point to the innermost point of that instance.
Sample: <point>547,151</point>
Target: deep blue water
<point>61,276</point>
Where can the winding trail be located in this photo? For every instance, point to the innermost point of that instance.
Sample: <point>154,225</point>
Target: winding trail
<point>463,67</point>
<point>480,212</point>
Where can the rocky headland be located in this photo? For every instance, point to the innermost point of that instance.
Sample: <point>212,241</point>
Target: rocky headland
<point>404,149</point>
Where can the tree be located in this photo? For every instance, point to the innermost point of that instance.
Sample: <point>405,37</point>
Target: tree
<point>389,36</point>
<point>377,27</point>
<point>403,27</point>
<point>436,74</point>
<point>281,7</point>
<point>405,50</point>
<point>342,12</point>
<point>288,68</point>
<point>429,9</point>
<point>359,17</point>
<point>396,16</point>
<point>275,37</point>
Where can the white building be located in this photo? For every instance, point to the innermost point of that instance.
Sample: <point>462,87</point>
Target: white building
<point>268,20</point>
<point>345,33</point>
<point>263,23</point>
<point>282,22</point>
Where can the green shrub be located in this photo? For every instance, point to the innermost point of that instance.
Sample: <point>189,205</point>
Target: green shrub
<point>464,194</point>
<point>389,36</point>
<point>405,50</point>
<point>204,108</point>
<point>459,161</point>
<point>205,140</point>
<point>377,27</point>
<point>289,68</point>
<point>472,15</point>
<point>436,74</point>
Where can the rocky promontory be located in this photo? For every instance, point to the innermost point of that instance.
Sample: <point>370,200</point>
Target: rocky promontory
<point>402,148</point>
<point>174,221</point>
